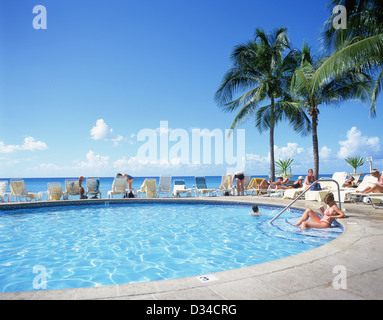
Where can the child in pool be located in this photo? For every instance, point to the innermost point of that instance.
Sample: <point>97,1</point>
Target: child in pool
<point>255,211</point>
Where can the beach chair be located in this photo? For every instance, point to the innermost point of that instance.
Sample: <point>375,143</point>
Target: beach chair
<point>376,199</point>
<point>72,188</point>
<point>253,186</point>
<point>119,186</point>
<point>93,187</point>
<point>3,193</point>
<point>292,193</point>
<point>327,186</point>
<point>148,187</point>
<point>350,194</point>
<point>201,187</point>
<point>164,185</point>
<point>55,191</point>
<point>18,190</point>
<point>226,185</point>
<point>180,188</point>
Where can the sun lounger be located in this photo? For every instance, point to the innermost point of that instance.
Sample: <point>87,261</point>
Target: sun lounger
<point>3,193</point>
<point>19,191</point>
<point>179,188</point>
<point>351,194</point>
<point>119,186</point>
<point>253,186</point>
<point>292,193</point>
<point>164,185</point>
<point>226,185</point>
<point>93,187</point>
<point>376,199</point>
<point>72,188</point>
<point>55,191</point>
<point>149,188</point>
<point>327,186</point>
<point>201,187</point>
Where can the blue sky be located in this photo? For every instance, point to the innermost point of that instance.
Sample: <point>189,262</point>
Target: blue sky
<point>74,97</point>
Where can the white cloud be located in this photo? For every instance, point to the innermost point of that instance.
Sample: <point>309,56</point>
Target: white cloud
<point>101,131</point>
<point>30,144</point>
<point>290,151</point>
<point>357,144</point>
<point>325,153</point>
<point>94,161</point>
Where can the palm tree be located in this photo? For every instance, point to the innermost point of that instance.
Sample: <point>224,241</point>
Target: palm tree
<point>360,45</point>
<point>330,90</point>
<point>263,71</point>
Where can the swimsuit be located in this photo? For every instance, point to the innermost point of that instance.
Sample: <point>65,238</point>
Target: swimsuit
<point>296,185</point>
<point>327,217</point>
<point>239,176</point>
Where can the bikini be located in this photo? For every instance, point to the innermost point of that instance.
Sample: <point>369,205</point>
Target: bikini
<point>327,220</point>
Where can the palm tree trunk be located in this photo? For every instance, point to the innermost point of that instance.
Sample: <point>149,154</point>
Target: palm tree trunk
<point>272,160</point>
<point>314,115</point>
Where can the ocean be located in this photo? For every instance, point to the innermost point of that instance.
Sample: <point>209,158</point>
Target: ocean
<point>35,185</point>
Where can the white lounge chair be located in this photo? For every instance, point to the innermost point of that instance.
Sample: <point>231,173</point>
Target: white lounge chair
<point>149,188</point>
<point>93,187</point>
<point>226,185</point>
<point>119,186</point>
<point>201,187</point>
<point>55,191</point>
<point>164,185</point>
<point>376,199</point>
<point>72,188</point>
<point>180,188</point>
<point>3,193</point>
<point>327,186</point>
<point>350,194</point>
<point>19,191</point>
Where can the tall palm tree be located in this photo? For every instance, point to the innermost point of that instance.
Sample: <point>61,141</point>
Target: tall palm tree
<point>330,90</point>
<point>360,45</point>
<point>263,71</point>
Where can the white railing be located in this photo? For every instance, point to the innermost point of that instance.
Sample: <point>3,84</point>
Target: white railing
<point>304,192</point>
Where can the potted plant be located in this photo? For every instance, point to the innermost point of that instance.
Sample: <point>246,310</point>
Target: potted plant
<point>284,168</point>
<point>355,162</point>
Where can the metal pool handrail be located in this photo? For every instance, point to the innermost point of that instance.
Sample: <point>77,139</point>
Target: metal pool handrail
<point>304,192</point>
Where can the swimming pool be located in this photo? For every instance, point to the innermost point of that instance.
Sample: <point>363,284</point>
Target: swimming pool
<point>122,242</point>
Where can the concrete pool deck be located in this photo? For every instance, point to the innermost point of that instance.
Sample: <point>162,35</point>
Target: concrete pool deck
<point>353,262</point>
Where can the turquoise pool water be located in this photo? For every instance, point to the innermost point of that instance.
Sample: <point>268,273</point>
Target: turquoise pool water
<point>107,244</point>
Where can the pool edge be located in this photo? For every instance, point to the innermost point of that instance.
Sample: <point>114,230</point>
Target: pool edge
<point>280,279</point>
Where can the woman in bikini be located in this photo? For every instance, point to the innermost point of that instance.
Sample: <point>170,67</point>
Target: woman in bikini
<point>331,213</point>
<point>310,178</point>
<point>297,184</point>
<point>377,187</point>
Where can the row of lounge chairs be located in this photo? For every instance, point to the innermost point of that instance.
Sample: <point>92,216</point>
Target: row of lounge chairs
<point>18,191</point>
<point>149,188</point>
<point>346,194</point>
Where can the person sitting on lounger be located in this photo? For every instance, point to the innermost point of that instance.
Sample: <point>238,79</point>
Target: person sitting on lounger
<point>350,183</point>
<point>81,188</point>
<point>297,184</point>
<point>279,182</point>
<point>331,213</point>
<point>310,178</point>
<point>376,187</point>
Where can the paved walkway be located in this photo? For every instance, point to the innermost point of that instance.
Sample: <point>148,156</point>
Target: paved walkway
<point>317,274</point>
